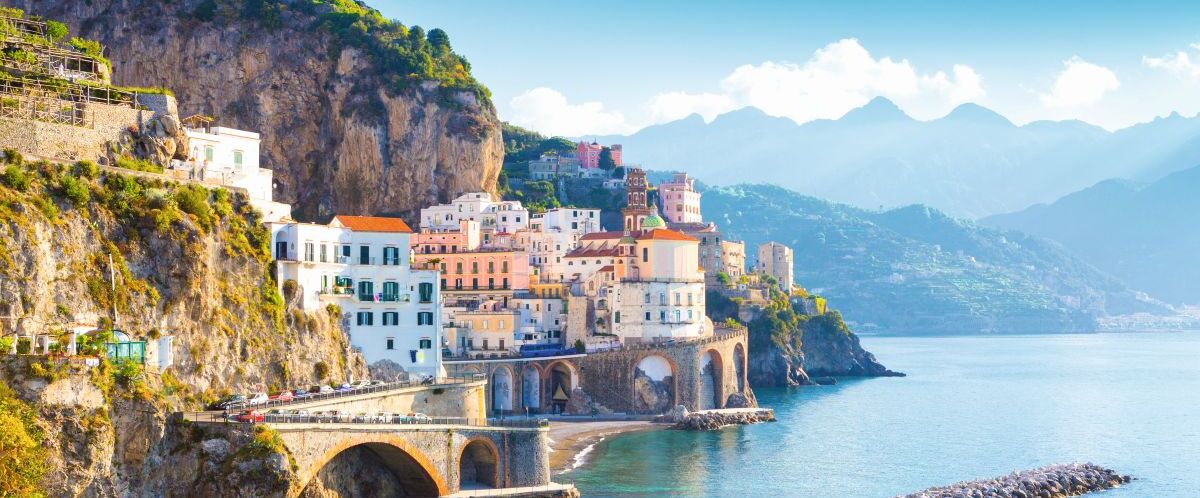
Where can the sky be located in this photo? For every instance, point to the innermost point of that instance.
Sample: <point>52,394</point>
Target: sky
<point>613,67</point>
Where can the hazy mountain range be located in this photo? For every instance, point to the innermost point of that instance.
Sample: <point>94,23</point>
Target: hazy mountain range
<point>917,270</point>
<point>1148,235</point>
<point>971,163</point>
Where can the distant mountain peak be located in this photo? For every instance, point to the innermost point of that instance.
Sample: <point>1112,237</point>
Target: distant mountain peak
<point>975,113</point>
<point>878,110</point>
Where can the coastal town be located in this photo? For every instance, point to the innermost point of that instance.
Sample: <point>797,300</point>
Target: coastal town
<point>484,319</point>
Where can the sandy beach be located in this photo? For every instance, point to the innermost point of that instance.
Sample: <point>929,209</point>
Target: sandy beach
<point>569,438</point>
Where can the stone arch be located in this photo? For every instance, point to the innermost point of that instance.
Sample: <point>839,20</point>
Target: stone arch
<point>409,465</point>
<point>479,464</point>
<point>501,383</point>
<point>531,388</point>
<point>712,377</point>
<point>561,377</point>
<point>739,367</point>
<point>655,383</point>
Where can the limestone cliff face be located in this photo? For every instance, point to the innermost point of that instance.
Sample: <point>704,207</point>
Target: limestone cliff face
<point>336,138</point>
<point>815,346</point>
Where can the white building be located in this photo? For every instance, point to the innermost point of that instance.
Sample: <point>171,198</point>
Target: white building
<point>361,264</point>
<point>554,234</point>
<point>680,200</point>
<point>498,216</point>
<point>229,157</point>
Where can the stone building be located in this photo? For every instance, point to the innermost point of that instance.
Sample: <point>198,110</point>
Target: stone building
<point>775,259</point>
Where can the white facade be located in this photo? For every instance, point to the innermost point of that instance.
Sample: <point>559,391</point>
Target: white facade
<point>649,310</point>
<point>542,319</point>
<point>230,157</point>
<point>499,216</point>
<point>390,310</point>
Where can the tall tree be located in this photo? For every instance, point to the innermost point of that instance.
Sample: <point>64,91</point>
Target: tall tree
<point>606,159</point>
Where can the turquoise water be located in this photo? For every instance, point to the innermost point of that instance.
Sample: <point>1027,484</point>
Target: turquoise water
<point>970,408</point>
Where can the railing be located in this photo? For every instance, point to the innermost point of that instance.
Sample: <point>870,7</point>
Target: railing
<point>451,380</point>
<point>64,90</point>
<point>48,110</point>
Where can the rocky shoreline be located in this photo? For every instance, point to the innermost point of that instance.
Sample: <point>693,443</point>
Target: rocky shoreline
<point>711,420</point>
<point>1052,481</point>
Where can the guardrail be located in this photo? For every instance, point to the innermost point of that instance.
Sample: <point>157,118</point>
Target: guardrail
<point>340,393</point>
<point>340,417</point>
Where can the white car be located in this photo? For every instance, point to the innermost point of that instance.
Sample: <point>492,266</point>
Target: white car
<point>257,399</point>
<point>359,384</point>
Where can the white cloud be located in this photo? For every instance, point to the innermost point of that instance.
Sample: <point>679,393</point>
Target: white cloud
<point>548,111</point>
<point>837,78</point>
<point>1179,63</point>
<point>1079,84</point>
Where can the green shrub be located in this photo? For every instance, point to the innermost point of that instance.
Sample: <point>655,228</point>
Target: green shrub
<point>193,200</point>
<point>6,344</point>
<point>22,456</point>
<point>15,178</point>
<point>86,169</point>
<point>127,373</point>
<point>206,11</point>
<point>56,30</point>
<point>74,190</point>
<point>88,47</point>
<point>321,369</point>
<point>12,156</point>
<point>138,165</point>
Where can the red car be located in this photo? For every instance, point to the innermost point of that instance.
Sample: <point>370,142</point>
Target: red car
<point>283,397</point>
<point>250,416</point>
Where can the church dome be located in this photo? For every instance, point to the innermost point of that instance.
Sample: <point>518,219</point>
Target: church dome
<point>653,221</point>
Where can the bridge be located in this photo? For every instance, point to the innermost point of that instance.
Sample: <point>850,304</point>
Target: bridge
<point>456,451</point>
<point>426,460</point>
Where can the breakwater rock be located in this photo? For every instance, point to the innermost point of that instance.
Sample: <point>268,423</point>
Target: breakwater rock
<point>709,420</point>
<point>1052,481</point>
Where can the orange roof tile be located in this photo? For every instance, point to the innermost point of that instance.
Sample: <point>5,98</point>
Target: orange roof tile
<point>664,234</point>
<point>373,224</point>
<point>602,235</point>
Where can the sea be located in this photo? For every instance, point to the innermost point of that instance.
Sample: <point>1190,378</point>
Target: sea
<point>971,407</point>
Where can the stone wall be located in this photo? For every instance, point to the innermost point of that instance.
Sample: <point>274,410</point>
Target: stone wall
<point>456,400</point>
<point>609,381</point>
<point>66,142</point>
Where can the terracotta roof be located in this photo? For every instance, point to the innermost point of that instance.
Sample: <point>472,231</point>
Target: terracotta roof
<point>607,268</point>
<point>664,234</point>
<point>602,235</point>
<point>373,224</point>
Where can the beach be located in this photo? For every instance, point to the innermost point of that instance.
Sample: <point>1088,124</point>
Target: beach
<point>570,441</point>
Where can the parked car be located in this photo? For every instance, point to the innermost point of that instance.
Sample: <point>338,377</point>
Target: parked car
<point>300,394</point>
<point>320,390</point>
<point>344,388</point>
<point>378,383</point>
<point>250,416</point>
<point>257,399</point>
<point>420,418</point>
<point>359,384</point>
<point>282,397</point>
<point>381,418</point>
<point>228,402</point>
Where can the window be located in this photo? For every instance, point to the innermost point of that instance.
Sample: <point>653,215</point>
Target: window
<point>549,306</point>
<point>458,283</point>
<point>443,284</point>
<point>647,300</point>
<point>505,284</point>
<point>491,267</point>
<point>474,267</point>
<point>500,326</point>
<point>485,344</point>
<point>366,291</point>
<point>676,315</point>
<point>458,267</point>
<point>365,318</point>
<point>662,316</point>
<point>501,345</point>
<point>391,256</point>
<point>237,159</point>
<point>425,318</point>
<point>426,343</point>
<point>484,324</point>
<point>645,254</point>
<point>689,299</point>
<point>391,343</point>
<point>391,292</point>
<point>617,317</point>
<point>662,298</point>
<point>677,302</point>
<point>308,251</point>
<point>689,315</point>
<point>346,252</point>
<point>426,291</point>
<point>647,316</point>
<point>208,153</point>
<point>364,255</point>
<point>504,267</point>
<point>391,318</point>
<point>491,283</point>
<point>474,283</point>
<point>324,248</point>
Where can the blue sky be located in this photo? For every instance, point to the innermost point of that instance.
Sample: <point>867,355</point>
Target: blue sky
<point>616,66</point>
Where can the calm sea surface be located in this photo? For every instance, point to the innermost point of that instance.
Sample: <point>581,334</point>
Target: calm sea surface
<point>969,408</point>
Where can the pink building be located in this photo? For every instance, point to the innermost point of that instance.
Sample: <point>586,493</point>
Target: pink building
<point>589,154</point>
<point>680,200</point>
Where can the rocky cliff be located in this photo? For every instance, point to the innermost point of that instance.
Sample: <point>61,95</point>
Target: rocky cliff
<point>789,347</point>
<point>343,132</point>
<point>189,263</point>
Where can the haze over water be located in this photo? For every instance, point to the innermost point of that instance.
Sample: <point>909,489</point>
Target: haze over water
<point>971,407</point>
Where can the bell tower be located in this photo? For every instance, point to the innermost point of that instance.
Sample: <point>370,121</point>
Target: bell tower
<point>636,190</point>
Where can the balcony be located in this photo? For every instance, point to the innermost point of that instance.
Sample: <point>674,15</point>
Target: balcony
<point>337,291</point>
